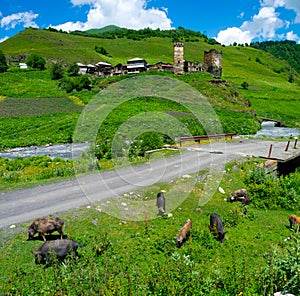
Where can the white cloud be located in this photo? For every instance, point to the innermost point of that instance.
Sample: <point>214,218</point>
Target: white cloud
<point>233,34</point>
<point>288,4</point>
<point>25,18</point>
<point>291,36</point>
<point>131,14</point>
<point>3,39</point>
<point>263,25</point>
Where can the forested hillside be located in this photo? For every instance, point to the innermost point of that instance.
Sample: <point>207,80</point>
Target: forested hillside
<point>284,50</point>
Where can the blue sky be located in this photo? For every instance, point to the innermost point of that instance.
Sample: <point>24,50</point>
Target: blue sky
<point>241,21</point>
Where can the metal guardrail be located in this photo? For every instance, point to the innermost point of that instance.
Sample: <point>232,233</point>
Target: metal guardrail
<point>204,137</point>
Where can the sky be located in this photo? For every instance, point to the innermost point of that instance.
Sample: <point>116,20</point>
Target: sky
<point>228,21</point>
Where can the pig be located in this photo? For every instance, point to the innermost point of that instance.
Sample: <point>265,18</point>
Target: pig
<point>294,220</point>
<point>216,227</point>
<point>45,225</point>
<point>240,195</point>
<point>161,203</point>
<point>184,233</point>
<point>57,248</point>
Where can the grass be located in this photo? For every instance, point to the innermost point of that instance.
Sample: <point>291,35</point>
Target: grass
<point>269,93</point>
<point>119,257</point>
<point>37,130</point>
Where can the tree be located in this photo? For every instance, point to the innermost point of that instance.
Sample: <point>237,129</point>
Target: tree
<point>101,50</point>
<point>73,69</point>
<point>291,78</point>
<point>56,71</point>
<point>3,64</point>
<point>35,61</point>
<point>245,85</point>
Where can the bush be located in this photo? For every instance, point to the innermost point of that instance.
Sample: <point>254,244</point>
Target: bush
<point>56,71</point>
<point>73,69</point>
<point>35,61</point>
<point>67,84</point>
<point>145,142</point>
<point>245,85</point>
<point>3,63</point>
<point>101,50</point>
<point>76,83</point>
<point>283,270</point>
<point>269,191</point>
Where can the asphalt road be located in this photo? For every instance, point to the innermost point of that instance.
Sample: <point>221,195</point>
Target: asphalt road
<point>24,205</point>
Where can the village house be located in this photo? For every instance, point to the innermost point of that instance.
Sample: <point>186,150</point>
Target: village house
<point>161,66</point>
<point>82,68</point>
<point>120,69</point>
<point>212,64</point>
<point>136,65</point>
<point>104,69</point>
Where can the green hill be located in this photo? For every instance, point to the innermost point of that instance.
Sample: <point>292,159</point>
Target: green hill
<point>111,28</point>
<point>270,92</point>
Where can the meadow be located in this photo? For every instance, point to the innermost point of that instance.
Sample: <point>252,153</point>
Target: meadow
<point>123,257</point>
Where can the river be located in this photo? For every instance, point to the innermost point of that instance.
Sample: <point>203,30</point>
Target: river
<point>69,151</point>
<point>269,130</point>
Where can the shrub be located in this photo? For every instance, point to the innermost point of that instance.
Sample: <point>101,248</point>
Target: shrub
<point>82,82</point>
<point>283,268</point>
<point>56,71</point>
<point>145,142</point>
<point>245,85</point>
<point>269,191</point>
<point>73,69</point>
<point>291,78</point>
<point>258,61</point>
<point>101,50</point>
<point>35,61</point>
<point>76,83</point>
<point>67,84</point>
<point>3,63</point>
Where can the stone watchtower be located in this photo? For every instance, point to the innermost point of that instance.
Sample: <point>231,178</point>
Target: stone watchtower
<point>178,58</point>
<point>213,62</point>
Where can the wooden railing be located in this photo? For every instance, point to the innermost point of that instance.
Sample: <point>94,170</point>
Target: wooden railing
<point>204,137</point>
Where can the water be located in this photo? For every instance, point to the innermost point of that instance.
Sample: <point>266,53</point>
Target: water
<point>269,130</point>
<point>65,151</point>
<point>69,151</point>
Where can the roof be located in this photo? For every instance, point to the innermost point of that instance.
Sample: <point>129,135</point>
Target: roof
<point>136,59</point>
<point>103,64</point>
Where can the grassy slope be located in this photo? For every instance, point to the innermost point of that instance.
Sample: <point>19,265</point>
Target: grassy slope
<point>270,93</point>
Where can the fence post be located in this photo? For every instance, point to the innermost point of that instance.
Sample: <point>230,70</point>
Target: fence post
<point>270,151</point>
<point>287,146</point>
<point>295,145</point>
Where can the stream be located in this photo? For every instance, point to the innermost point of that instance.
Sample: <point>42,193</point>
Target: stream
<point>69,151</point>
<point>269,130</point>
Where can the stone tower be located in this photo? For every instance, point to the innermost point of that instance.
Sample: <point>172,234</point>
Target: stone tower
<point>213,62</point>
<point>178,58</point>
